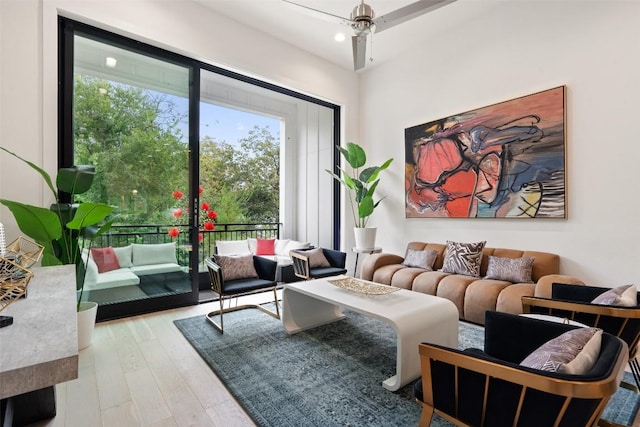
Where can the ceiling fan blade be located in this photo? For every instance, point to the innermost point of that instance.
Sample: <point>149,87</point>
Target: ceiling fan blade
<point>359,50</point>
<point>320,14</point>
<point>408,12</point>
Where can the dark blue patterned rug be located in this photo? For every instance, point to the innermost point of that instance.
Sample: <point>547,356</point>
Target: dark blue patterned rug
<point>327,376</point>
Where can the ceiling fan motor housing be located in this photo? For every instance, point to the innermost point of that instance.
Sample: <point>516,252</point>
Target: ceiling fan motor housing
<point>362,17</point>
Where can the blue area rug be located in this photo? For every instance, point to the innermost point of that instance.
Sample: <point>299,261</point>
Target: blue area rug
<point>327,376</point>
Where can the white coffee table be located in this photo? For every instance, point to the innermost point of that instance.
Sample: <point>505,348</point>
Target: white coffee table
<point>416,318</point>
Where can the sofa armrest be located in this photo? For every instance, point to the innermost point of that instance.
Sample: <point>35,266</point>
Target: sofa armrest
<point>375,261</point>
<point>543,286</point>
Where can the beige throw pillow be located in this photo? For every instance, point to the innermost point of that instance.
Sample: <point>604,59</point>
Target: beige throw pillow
<point>316,258</point>
<point>624,296</point>
<point>236,267</point>
<point>574,352</point>
<point>420,259</point>
<point>514,270</point>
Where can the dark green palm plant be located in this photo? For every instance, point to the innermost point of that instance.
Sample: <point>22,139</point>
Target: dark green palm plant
<point>66,229</point>
<point>361,183</point>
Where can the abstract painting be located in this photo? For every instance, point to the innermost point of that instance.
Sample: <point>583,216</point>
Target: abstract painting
<point>505,160</point>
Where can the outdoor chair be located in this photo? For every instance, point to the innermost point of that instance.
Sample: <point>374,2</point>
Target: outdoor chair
<point>265,269</point>
<point>318,262</point>
<point>490,388</point>
<point>574,302</point>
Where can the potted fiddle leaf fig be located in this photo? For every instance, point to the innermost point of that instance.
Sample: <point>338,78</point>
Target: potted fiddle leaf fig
<point>65,230</point>
<point>361,183</point>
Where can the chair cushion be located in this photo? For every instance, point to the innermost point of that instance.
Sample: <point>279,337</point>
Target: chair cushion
<point>624,296</point>
<point>236,267</point>
<point>161,253</point>
<point>317,258</point>
<point>124,256</point>
<point>265,247</point>
<point>514,270</point>
<point>574,352</point>
<point>463,258</point>
<point>105,259</point>
<point>420,259</point>
<point>317,273</point>
<point>232,247</point>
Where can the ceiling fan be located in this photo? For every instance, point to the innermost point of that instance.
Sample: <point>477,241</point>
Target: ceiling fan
<point>363,21</point>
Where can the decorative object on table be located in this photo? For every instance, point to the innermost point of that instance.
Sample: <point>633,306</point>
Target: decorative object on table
<point>363,287</point>
<point>24,252</point>
<point>66,229</point>
<point>361,185</point>
<point>14,280</point>
<point>506,160</point>
<point>2,240</point>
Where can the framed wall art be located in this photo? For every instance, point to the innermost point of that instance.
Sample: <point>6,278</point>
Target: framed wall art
<point>505,160</point>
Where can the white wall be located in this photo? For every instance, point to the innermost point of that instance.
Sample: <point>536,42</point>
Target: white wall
<point>28,36</point>
<point>517,48</point>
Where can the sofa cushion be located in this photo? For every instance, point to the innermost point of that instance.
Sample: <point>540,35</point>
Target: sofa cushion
<point>236,267</point>
<point>295,245</point>
<point>105,259</point>
<point>145,254</point>
<point>124,256</point>
<point>115,278</point>
<point>232,247</point>
<point>624,296</point>
<point>574,352</point>
<point>280,247</point>
<point>463,258</point>
<point>91,268</point>
<point>514,270</point>
<point>317,258</point>
<point>145,270</point>
<point>420,259</point>
<point>265,247</point>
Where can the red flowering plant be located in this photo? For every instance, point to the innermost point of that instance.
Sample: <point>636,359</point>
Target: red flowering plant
<point>209,215</point>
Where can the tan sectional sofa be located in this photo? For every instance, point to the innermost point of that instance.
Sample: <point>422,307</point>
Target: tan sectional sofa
<point>471,295</point>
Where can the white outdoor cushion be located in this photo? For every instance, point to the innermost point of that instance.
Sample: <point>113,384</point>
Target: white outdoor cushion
<point>115,278</point>
<point>91,277</point>
<point>280,247</point>
<point>145,270</point>
<point>232,247</point>
<point>160,253</point>
<point>294,244</point>
<point>124,256</point>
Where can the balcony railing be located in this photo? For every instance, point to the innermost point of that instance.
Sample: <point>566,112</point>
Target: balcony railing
<point>123,235</point>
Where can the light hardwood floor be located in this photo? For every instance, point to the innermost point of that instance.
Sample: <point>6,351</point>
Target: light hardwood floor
<point>140,371</point>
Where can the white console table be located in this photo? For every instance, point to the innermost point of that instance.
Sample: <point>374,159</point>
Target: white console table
<point>40,348</point>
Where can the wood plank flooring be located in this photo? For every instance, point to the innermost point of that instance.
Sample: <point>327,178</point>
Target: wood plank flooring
<point>140,371</point>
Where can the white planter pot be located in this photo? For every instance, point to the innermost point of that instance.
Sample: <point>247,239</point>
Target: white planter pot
<point>86,323</point>
<point>365,237</point>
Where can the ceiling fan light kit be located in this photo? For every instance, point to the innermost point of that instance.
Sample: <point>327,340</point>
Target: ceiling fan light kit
<point>363,21</point>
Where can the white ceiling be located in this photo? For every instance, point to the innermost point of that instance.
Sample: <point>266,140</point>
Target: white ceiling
<point>314,34</point>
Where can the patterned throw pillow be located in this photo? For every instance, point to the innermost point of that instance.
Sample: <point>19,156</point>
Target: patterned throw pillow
<point>514,270</point>
<point>574,352</point>
<point>624,296</point>
<point>236,267</point>
<point>317,258</point>
<point>463,258</point>
<point>420,259</point>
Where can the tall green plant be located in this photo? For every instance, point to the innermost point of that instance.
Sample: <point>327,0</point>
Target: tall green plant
<point>66,229</point>
<point>361,183</point>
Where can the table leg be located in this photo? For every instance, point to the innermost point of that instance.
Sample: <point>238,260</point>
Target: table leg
<point>355,268</point>
<point>301,312</point>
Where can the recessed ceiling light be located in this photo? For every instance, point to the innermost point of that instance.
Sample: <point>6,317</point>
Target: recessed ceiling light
<point>339,37</point>
<point>110,62</point>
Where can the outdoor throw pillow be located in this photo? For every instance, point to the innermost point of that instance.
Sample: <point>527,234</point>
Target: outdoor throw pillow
<point>624,296</point>
<point>316,258</point>
<point>232,247</point>
<point>463,258</point>
<point>124,256</point>
<point>420,259</point>
<point>236,267</point>
<point>280,247</point>
<point>514,270</point>
<point>105,259</point>
<point>574,352</point>
<point>148,254</point>
<point>265,246</point>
